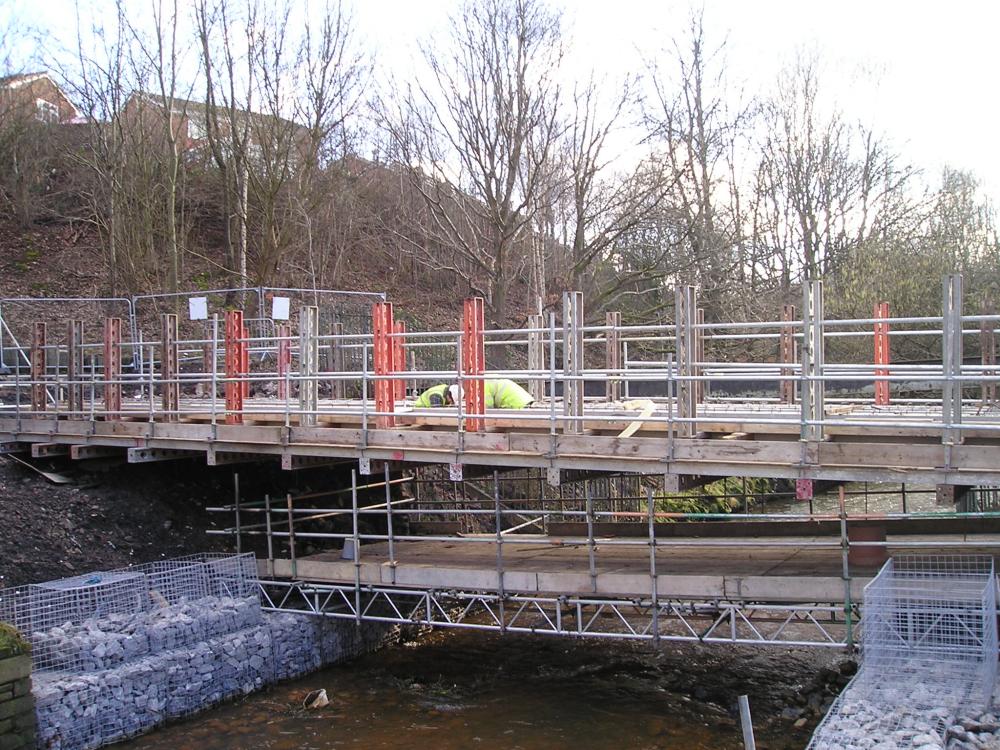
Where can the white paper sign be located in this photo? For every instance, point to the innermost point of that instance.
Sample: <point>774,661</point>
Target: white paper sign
<point>279,308</point>
<point>198,308</point>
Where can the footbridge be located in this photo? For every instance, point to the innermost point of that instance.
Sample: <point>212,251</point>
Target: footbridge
<point>677,404</point>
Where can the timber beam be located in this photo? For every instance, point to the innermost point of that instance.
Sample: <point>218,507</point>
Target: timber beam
<point>83,452</point>
<point>215,457</point>
<point>48,450</point>
<point>148,455</point>
<point>290,462</point>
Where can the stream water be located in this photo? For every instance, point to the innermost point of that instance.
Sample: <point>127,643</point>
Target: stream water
<point>860,499</point>
<point>465,689</point>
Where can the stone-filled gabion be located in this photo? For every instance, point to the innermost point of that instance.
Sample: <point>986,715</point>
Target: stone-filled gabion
<point>104,643</point>
<point>147,668</point>
<point>117,653</point>
<point>150,667</point>
<point>297,643</point>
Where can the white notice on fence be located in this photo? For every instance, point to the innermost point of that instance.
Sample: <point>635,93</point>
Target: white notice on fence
<point>279,308</point>
<point>198,308</point>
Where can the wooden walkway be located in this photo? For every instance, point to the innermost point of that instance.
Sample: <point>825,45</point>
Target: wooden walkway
<point>861,443</point>
<point>763,569</point>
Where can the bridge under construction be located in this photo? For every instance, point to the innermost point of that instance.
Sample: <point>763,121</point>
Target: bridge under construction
<point>677,404</point>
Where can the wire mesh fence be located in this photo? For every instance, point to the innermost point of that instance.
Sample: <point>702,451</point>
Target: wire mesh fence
<point>58,617</point>
<point>929,648</point>
<point>935,611</point>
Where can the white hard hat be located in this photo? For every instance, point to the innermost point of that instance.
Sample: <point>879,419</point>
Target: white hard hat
<point>455,392</point>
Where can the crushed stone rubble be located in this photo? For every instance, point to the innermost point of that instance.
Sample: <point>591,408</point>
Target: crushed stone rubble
<point>939,713</point>
<point>133,672</point>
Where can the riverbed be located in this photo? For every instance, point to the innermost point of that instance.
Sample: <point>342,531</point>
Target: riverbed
<point>451,690</point>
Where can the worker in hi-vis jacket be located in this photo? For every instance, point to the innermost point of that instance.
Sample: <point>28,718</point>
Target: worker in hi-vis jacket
<point>499,394</point>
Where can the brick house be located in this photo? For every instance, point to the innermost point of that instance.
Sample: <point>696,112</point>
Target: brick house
<point>188,121</point>
<point>36,95</point>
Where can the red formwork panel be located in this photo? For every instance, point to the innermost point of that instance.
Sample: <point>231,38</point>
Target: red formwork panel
<point>881,353</point>
<point>112,369</point>
<point>382,353</point>
<point>234,334</point>
<point>474,362</point>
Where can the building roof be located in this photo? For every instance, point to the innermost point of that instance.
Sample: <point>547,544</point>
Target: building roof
<point>191,107</point>
<point>20,79</point>
<point>17,80</point>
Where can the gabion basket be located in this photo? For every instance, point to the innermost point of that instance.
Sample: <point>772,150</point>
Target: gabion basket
<point>929,654</point>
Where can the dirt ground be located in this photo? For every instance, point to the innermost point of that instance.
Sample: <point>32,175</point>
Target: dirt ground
<point>106,518</point>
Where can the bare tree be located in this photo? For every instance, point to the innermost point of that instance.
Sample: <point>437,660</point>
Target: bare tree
<point>476,134</point>
<point>162,56</point>
<point>278,113</point>
<point>693,123</point>
<point>605,205</point>
<point>825,185</point>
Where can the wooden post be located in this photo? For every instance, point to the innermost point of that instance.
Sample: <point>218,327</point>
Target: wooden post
<point>572,361</point>
<point>170,387</point>
<point>382,353</point>
<point>881,353</point>
<point>788,355</point>
<point>208,350</point>
<point>112,368</point>
<point>284,333</point>
<point>308,364</point>
<point>245,361</point>
<point>339,387</point>
<point>686,312</point>
<point>39,340</point>
<point>813,408</point>
<point>399,359</point>
<point>233,366</point>
<point>474,362</point>
<point>613,355</point>
<point>74,367</point>
<point>536,356</point>
<point>951,359</point>
<point>988,348</point>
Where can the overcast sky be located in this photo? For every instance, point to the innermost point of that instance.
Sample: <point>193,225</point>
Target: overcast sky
<point>921,72</point>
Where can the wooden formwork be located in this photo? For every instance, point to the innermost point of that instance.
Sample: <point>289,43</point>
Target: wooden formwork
<point>112,368</point>
<point>474,363</point>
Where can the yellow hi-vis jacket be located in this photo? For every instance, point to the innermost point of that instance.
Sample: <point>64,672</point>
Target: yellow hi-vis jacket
<point>506,394</point>
<point>434,396</point>
<point>500,394</point>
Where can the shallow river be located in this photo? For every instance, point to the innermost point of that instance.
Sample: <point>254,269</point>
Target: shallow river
<point>472,690</point>
<point>861,499</point>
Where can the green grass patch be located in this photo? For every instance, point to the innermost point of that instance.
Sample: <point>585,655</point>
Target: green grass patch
<point>11,642</point>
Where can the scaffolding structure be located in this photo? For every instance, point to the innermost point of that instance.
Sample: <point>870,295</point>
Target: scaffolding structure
<point>684,402</point>
<point>309,388</point>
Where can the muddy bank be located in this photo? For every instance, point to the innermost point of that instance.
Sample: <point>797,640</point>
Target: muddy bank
<point>115,514</point>
<point>455,690</point>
